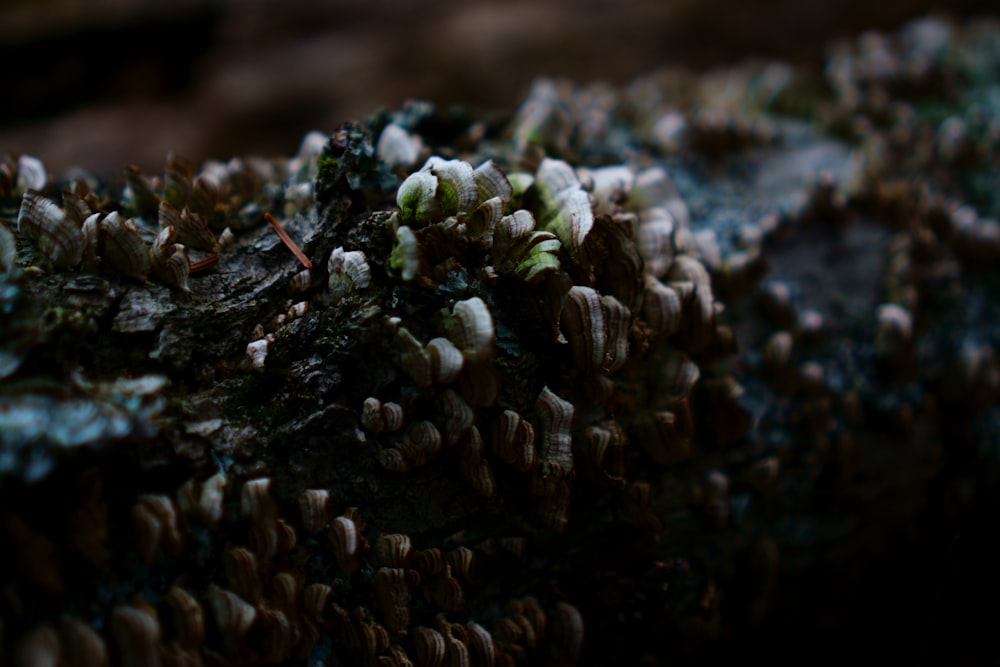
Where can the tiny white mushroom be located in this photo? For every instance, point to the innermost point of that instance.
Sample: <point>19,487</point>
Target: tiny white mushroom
<point>257,353</point>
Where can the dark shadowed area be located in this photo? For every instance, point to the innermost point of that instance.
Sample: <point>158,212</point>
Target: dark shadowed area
<point>104,83</point>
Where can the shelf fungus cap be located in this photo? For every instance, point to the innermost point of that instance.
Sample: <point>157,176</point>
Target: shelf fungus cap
<point>554,471</point>
<point>392,460</point>
<point>441,188</point>
<point>511,230</point>
<point>256,502</point>
<point>137,635</point>
<point>392,416</point>
<point>514,440</point>
<point>483,219</point>
<point>392,589</point>
<point>473,465</point>
<point>470,327</point>
<point>243,574</point>
<point>233,617</point>
<point>314,508</point>
<point>31,174</point>
<point>609,185</point>
<point>47,228</point>
<point>83,642</point>
<point>348,271</point>
<point>567,632</point>
<point>188,617</point>
<point>446,360</point>
<point>461,559</point>
<point>314,602</point>
<point>192,229</point>
<point>893,329</point>
<point>481,648</point>
<point>778,350</point>
<point>405,256</point>
<point>653,187</point>
<point>210,502</point>
<point>429,646</point>
<point>417,197</point>
<point>429,561</point>
<point>601,448</point>
<point>343,534</point>
<point>661,307</point>
<point>457,191</point>
<point>422,441</point>
<point>393,550</point>
<point>371,415</point>
<point>398,148</point>
<point>75,207</point>
<point>492,182</point>
<point>8,249</point>
<point>39,646</point>
<point>122,247</point>
<point>564,206</point>
<point>154,521</point>
<point>557,419</point>
<point>583,325</point>
<point>169,261</point>
<point>459,416</point>
<point>520,251</point>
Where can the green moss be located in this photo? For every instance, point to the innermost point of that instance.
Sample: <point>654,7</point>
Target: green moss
<point>327,166</point>
<point>243,390</point>
<point>260,403</point>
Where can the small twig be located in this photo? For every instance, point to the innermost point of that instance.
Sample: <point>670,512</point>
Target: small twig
<point>299,255</point>
<point>204,263</point>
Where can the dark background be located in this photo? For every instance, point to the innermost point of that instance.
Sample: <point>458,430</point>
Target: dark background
<point>102,83</point>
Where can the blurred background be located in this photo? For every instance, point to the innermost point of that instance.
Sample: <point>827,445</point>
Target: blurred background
<point>104,83</point>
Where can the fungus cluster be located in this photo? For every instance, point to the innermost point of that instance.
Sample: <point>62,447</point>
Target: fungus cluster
<point>519,400</point>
